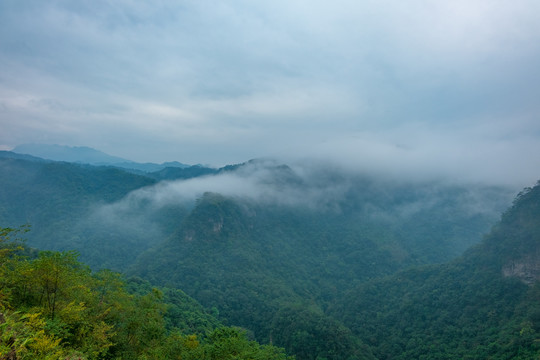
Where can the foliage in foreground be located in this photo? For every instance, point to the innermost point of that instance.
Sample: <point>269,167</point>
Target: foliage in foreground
<point>54,307</point>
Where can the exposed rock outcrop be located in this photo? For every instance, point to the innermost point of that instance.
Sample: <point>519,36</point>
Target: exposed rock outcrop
<point>527,268</point>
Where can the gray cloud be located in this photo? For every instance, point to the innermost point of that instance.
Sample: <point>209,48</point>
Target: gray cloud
<point>308,186</point>
<point>263,181</point>
<point>492,153</point>
<point>416,86</point>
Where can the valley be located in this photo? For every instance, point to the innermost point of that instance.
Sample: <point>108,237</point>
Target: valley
<point>326,264</point>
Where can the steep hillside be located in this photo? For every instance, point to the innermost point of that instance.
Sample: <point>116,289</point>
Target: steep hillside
<point>227,255</point>
<point>86,155</point>
<point>262,263</point>
<point>56,199</point>
<point>482,305</point>
<point>77,154</point>
<point>311,260</point>
<point>53,307</point>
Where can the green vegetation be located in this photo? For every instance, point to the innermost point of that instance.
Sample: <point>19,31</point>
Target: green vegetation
<point>378,272</point>
<point>90,209</point>
<point>469,308</point>
<point>54,307</point>
<point>56,198</point>
<point>263,266</point>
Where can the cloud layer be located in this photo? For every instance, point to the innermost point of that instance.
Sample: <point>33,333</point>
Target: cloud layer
<point>325,191</point>
<point>424,85</point>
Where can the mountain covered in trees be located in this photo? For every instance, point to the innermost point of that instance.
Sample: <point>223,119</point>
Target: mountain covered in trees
<point>482,305</point>
<point>111,216</point>
<point>61,202</point>
<point>54,307</point>
<point>326,263</point>
<point>86,155</point>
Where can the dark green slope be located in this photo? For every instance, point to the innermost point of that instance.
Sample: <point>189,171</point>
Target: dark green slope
<point>213,255</point>
<point>250,280</point>
<point>56,199</point>
<point>175,173</point>
<point>514,243</point>
<point>483,305</point>
<point>54,307</point>
<point>295,264</point>
<point>32,188</point>
<point>275,269</point>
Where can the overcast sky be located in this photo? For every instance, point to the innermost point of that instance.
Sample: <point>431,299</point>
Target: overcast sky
<point>417,84</point>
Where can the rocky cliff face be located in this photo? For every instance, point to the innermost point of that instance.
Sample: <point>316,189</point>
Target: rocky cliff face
<point>527,268</point>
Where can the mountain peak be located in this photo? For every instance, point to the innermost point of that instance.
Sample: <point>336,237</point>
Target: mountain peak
<point>78,154</point>
<point>88,155</point>
<point>512,248</point>
<point>521,230</point>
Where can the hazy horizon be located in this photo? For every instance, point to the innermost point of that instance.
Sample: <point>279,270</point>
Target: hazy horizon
<point>446,88</point>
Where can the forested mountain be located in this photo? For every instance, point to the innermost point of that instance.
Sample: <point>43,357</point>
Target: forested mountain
<point>483,305</point>
<point>56,199</point>
<point>276,268</point>
<point>326,263</point>
<point>110,216</point>
<point>53,307</point>
<point>86,155</point>
<point>77,154</point>
<point>66,205</point>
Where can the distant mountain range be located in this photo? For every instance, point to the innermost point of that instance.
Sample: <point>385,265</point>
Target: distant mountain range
<point>87,155</point>
<point>327,264</point>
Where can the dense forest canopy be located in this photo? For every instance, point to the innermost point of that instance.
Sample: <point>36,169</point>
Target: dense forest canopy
<point>112,216</point>
<point>53,307</point>
<point>325,264</point>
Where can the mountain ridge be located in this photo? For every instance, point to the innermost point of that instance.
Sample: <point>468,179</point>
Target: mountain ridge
<point>481,305</point>
<point>325,264</point>
<point>263,265</point>
<point>88,155</point>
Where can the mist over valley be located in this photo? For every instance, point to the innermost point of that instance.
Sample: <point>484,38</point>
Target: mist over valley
<point>270,180</point>
<point>271,247</point>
